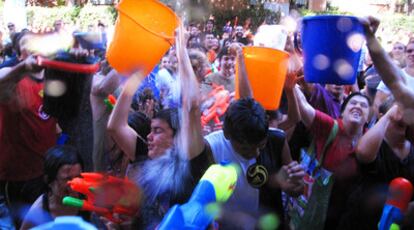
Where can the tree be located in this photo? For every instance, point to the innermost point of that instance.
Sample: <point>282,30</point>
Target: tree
<point>409,7</point>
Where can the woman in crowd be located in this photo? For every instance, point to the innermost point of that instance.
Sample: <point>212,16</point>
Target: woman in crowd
<point>62,164</point>
<point>340,155</point>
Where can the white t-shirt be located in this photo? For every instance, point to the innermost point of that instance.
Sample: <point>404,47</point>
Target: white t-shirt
<point>409,80</point>
<point>245,198</point>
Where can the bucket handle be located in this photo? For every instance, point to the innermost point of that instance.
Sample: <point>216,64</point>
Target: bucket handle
<point>169,39</point>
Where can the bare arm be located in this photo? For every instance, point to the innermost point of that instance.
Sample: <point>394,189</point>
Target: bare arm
<point>124,136</point>
<point>245,90</point>
<point>389,72</point>
<point>293,115</point>
<point>191,137</point>
<point>307,112</point>
<point>370,142</point>
<point>9,77</point>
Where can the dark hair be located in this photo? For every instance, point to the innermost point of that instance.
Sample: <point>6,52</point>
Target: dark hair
<point>245,121</point>
<point>140,123</point>
<point>273,115</point>
<point>58,156</point>
<point>16,41</point>
<point>348,98</point>
<point>171,117</point>
<point>224,51</point>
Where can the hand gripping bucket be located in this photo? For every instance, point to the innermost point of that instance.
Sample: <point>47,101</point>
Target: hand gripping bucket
<point>144,32</point>
<point>332,48</point>
<point>266,69</point>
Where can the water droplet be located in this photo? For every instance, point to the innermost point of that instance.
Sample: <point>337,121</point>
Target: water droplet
<point>269,222</point>
<point>213,209</point>
<point>355,42</point>
<point>344,24</point>
<point>344,69</point>
<point>321,62</point>
<point>55,88</point>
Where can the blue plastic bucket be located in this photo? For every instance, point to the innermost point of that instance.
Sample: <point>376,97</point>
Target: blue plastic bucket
<point>331,48</point>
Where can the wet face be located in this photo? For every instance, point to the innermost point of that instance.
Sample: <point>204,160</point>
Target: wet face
<point>246,150</point>
<point>216,44</point>
<point>336,90</point>
<point>398,50</point>
<point>59,186</point>
<point>409,54</point>
<point>58,25</point>
<point>209,41</point>
<point>209,26</point>
<point>165,62</point>
<point>193,42</point>
<point>227,63</point>
<point>356,111</point>
<point>160,138</point>
<point>11,27</point>
<point>239,31</point>
<point>173,62</point>
<point>194,31</point>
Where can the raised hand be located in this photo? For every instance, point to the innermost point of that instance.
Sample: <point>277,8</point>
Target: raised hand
<point>370,24</point>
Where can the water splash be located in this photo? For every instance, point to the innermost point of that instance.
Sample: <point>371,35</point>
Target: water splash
<point>164,175</point>
<point>321,62</point>
<point>355,41</point>
<point>55,88</point>
<point>344,69</point>
<point>49,44</point>
<point>344,24</point>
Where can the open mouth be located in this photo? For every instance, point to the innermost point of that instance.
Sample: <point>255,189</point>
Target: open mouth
<point>356,113</point>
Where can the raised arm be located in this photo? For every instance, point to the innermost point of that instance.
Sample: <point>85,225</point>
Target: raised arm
<point>307,112</point>
<point>124,136</point>
<point>9,77</point>
<point>389,72</point>
<point>370,142</point>
<point>191,137</point>
<point>293,115</point>
<point>245,90</point>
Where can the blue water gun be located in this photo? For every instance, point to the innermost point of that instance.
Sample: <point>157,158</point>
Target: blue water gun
<point>216,185</point>
<point>399,195</point>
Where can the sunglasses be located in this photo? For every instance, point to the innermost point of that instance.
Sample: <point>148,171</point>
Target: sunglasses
<point>10,26</point>
<point>409,51</point>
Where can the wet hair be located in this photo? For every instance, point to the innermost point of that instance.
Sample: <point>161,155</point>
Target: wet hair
<point>171,117</point>
<point>245,121</point>
<point>198,59</point>
<point>58,156</point>
<point>66,106</point>
<point>349,97</point>
<point>273,115</point>
<point>140,123</point>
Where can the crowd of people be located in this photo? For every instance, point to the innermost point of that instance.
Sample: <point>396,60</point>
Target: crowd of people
<point>44,127</point>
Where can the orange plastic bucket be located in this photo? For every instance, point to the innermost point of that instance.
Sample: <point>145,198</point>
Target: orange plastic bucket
<point>144,31</point>
<point>266,69</point>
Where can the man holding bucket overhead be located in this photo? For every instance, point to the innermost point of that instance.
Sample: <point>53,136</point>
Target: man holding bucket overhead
<point>262,155</point>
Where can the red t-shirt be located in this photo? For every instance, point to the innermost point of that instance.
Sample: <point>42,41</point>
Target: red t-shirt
<point>26,132</point>
<point>340,156</point>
